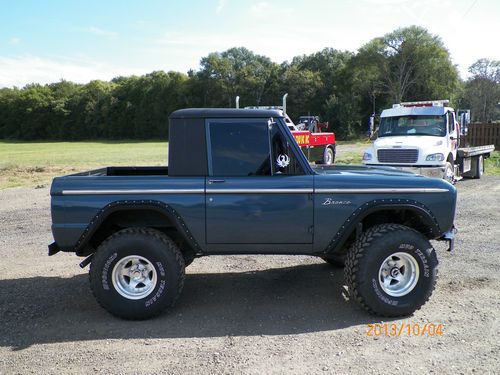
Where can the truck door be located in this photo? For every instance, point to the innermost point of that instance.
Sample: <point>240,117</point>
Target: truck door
<point>256,191</point>
<point>452,134</point>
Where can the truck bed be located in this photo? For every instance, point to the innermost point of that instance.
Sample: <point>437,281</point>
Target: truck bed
<point>126,171</point>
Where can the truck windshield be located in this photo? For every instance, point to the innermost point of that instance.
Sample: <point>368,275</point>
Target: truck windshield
<point>413,125</point>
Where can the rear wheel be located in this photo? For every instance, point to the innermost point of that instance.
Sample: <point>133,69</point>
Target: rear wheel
<point>328,156</point>
<point>391,270</point>
<point>479,166</point>
<point>137,273</point>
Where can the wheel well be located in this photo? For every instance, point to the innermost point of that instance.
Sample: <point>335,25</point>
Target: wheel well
<point>404,216</point>
<point>129,218</point>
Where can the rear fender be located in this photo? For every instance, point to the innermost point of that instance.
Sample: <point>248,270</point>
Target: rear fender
<point>171,214</point>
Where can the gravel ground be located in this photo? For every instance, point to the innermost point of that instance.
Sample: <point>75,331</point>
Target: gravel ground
<point>245,314</point>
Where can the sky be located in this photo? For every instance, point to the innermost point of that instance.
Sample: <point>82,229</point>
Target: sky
<point>46,41</point>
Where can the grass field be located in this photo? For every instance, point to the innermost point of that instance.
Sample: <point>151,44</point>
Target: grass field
<point>492,164</point>
<point>36,163</point>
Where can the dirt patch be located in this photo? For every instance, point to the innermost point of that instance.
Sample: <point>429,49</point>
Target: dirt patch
<point>245,314</point>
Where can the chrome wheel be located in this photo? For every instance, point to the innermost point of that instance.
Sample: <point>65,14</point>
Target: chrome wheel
<point>398,274</point>
<point>134,277</point>
<point>449,173</point>
<point>328,156</point>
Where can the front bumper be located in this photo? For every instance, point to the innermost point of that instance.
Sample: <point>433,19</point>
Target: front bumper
<point>437,172</point>
<point>450,237</point>
<point>431,171</point>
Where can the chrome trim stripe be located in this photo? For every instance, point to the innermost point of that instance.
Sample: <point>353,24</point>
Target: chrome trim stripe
<point>254,191</point>
<point>260,191</point>
<point>133,191</point>
<point>380,190</point>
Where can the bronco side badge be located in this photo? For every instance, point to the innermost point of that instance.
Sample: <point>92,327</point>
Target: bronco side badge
<point>283,161</point>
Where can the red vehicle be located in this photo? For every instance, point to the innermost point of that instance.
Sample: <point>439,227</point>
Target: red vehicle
<point>318,146</point>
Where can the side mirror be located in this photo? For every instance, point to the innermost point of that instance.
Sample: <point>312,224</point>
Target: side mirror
<point>464,117</point>
<point>371,126</point>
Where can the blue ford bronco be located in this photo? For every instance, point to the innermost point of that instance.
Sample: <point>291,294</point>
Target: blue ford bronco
<point>237,183</point>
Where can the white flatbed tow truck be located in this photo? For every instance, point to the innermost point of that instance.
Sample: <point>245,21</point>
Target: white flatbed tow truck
<point>425,137</point>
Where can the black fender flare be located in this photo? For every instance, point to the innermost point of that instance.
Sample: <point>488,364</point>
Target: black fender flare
<point>370,207</point>
<point>116,206</point>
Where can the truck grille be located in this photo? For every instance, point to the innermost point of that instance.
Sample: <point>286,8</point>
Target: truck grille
<point>397,156</point>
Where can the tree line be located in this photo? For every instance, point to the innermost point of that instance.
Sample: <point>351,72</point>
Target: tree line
<point>342,87</point>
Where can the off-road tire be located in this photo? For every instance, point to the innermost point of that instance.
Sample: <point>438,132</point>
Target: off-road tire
<point>155,247</point>
<point>363,267</point>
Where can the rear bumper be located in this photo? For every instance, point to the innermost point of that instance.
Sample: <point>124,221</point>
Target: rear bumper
<point>53,249</point>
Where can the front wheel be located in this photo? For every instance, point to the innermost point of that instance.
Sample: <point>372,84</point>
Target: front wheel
<point>449,173</point>
<point>137,273</point>
<point>391,270</point>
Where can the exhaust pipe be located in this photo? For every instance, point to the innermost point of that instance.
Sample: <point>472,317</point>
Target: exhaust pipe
<point>284,103</point>
<point>237,102</point>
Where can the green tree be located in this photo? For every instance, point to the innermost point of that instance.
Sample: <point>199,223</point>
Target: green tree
<point>301,86</point>
<point>330,64</point>
<point>236,71</point>
<point>89,112</point>
<point>482,91</point>
<point>410,64</point>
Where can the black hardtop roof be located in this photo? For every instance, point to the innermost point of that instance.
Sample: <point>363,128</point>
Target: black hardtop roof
<point>224,112</point>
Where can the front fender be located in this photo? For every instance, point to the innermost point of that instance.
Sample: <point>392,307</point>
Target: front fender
<point>352,223</point>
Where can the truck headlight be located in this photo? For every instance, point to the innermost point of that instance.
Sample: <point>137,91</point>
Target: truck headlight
<point>367,156</point>
<point>435,157</point>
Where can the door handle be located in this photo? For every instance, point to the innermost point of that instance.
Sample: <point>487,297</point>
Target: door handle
<point>216,181</point>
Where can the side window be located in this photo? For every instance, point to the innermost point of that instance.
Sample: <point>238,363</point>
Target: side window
<point>451,123</point>
<point>283,158</point>
<point>239,148</point>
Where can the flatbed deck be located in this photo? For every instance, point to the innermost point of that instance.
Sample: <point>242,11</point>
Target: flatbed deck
<point>466,152</point>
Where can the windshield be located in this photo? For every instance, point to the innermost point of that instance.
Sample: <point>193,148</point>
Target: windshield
<point>413,125</point>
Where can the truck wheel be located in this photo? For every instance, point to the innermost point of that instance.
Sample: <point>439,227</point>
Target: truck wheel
<point>479,164</point>
<point>136,273</point>
<point>328,156</point>
<point>391,270</point>
<point>449,173</point>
